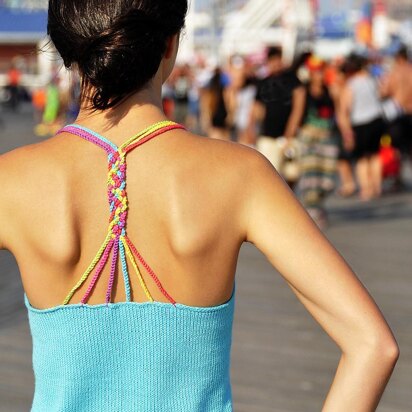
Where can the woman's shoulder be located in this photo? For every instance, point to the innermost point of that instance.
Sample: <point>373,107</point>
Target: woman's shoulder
<point>25,161</point>
<point>226,156</point>
<point>235,166</point>
<point>228,176</point>
<point>13,166</point>
<point>16,163</point>
<point>226,165</point>
<point>25,174</point>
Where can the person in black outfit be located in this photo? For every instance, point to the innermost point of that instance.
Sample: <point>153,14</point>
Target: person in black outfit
<point>279,107</point>
<point>280,94</point>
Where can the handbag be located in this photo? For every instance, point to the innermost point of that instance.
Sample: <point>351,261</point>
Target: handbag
<point>290,168</point>
<point>390,159</point>
<point>284,155</point>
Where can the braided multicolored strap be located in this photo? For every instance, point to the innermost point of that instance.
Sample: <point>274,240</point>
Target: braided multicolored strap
<point>117,239</point>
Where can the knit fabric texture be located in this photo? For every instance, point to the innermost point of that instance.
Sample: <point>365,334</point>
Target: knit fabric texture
<point>132,357</point>
<point>128,356</point>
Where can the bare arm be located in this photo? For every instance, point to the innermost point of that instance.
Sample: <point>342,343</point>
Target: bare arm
<point>230,98</point>
<point>205,112</point>
<point>6,169</point>
<point>386,85</point>
<point>343,118</point>
<point>277,224</point>
<point>2,218</point>
<point>256,116</point>
<point>335,93</point>
<point>298,108</point>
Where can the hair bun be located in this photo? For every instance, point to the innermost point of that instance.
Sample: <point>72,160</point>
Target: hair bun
<point>131,30</point>
<point>134,43</point>
<point>116,46</point>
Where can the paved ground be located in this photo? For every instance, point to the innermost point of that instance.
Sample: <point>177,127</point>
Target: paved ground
<point>282,360</point>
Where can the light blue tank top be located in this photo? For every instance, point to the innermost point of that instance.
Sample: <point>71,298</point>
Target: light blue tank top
<point>129,356</point>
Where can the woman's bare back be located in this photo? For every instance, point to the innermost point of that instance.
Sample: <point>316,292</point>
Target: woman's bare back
<point>183,191</point>
<point>193,202</point>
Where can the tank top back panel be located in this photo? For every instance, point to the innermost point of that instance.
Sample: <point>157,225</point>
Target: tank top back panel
<point>129,356</point>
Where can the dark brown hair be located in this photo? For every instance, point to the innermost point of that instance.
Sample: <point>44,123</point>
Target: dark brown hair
<point>274,51</point>
<point>353,64</point>
<point>117,45</point>
<point>402,53</point>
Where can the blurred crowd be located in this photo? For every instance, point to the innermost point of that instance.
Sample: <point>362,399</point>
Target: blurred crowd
<point>54,104</point>
<point>342,126</point>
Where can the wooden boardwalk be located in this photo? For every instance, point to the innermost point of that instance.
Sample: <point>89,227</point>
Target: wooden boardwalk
<point>282,361</point>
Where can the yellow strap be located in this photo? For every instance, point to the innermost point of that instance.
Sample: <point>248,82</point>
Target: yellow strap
<point>146,132</point>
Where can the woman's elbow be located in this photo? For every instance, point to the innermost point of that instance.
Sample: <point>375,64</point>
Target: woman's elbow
<point>374,341</point>
<point>391,351</point>
<point>384,348</point>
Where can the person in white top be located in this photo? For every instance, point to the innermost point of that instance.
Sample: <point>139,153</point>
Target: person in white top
<point>362,126</point>
<point>242,98</point>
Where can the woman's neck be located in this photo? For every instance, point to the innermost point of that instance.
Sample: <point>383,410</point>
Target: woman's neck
<point>133,114</point>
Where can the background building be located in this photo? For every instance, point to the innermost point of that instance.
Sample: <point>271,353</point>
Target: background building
<point>22,35</point>
<point>217,29</point>
<point>220,28</point>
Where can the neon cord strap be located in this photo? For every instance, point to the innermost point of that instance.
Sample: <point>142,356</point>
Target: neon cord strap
<point>117,239</point>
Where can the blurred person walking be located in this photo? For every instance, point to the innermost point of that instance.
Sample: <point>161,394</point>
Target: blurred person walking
<point>132,343</point>
<point>53,103</point>
<point>51,121</point>
<point>13,87</point>
<point>242,97</point>
<point>397,88</point>
<point>347,183</point>
<point>319,145</point>
<point>216,105</point>
<point>278,109</point>
<point>73,106</point>
<point>193,116</point>
<point>362,126</point>
<point>39,103</point>
<point>168,99</point>
<point>336,84</point>
<point>181,87</point>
